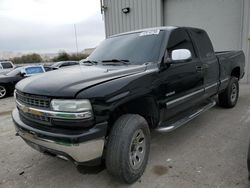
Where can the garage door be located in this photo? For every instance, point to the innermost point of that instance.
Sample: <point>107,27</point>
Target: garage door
<point>222,19</point>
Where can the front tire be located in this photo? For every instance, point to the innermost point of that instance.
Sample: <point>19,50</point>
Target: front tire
<point>229,97</point>
<point>128,148</point>
<point>3,91</point>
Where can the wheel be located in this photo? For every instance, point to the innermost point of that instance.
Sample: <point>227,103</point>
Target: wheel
<point>128,148</point>
<point>3,91</point>
<point>229,97</point>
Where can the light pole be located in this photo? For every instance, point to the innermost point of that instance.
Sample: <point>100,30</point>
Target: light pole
<point>76,39</point>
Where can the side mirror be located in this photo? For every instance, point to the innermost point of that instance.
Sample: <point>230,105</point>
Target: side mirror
<point>181,55</point>
<point>23,73</point>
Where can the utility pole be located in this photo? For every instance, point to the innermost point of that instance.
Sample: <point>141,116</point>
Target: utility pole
<point>76,39</point>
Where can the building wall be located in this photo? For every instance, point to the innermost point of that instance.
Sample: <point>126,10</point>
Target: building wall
<point>222,19</point>
<point>227,21</point>
<point>143,14</point>
<point>246,39</point>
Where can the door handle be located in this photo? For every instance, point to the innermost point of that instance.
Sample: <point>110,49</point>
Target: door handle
<point>199,68</point>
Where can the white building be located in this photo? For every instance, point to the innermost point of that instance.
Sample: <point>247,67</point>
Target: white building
<point>226,21</point>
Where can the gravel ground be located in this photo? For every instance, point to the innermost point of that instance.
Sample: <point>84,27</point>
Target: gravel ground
<point>210,151</point>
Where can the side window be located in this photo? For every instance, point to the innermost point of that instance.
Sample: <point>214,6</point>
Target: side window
<point>7,65</point>
<point>180,39</point>
<point>202,42</point>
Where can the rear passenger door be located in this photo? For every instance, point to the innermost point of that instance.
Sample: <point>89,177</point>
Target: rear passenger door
<point>209,62</point>
<point>184,82</point>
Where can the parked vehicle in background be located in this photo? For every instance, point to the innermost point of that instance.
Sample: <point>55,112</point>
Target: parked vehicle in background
<point>6,66</point>
<point>9,80</point>
<point>61,64</point>
<point>48,68</point>
<point>152,79</point>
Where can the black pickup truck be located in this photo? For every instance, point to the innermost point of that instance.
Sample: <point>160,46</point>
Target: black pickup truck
<point>133,83</point>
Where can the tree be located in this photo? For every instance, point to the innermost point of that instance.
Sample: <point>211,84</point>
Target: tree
<point>29,58</point>
<point>64,56</point>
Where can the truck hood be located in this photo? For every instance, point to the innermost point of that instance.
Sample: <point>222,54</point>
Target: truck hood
<point>67,82</point>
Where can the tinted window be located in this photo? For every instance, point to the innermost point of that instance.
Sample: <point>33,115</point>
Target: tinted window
<point>138,48</point>
<point>202,42</point>
<point>34,70</point>
<point>180,39</point>
<point>7,65</point>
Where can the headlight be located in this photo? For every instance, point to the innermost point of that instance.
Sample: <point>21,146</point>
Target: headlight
<point>71,105</point>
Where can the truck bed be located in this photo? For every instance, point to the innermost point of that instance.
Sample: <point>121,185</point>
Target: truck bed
<point>228,61</point>
<point>229,54</point>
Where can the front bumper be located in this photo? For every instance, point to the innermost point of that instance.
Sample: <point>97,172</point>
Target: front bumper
<point>82,148</point>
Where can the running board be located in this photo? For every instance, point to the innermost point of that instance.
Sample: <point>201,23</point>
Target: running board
<point>188,116</point>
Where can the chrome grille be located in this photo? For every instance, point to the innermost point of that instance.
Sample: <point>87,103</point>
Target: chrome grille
<point>36,118</point>
<point>32,100</point>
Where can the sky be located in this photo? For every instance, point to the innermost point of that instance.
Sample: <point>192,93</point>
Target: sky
<point>47,26</point>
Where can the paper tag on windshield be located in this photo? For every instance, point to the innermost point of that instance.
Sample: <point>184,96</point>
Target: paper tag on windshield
<point>152,32</point>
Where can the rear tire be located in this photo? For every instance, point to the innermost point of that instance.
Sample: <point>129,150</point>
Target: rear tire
<point>128,148</point>
<point>229,97</point>
<point>3,92</point>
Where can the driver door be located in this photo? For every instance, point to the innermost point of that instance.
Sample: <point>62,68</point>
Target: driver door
<point>183,81</point>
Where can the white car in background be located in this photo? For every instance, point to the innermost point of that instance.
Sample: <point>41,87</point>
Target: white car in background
<point>6,66</point>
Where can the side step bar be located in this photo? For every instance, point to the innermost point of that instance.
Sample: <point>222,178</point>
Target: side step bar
<point>174,124</point>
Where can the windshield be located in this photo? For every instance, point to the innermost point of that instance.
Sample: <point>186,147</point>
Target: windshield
<point>137,48</point>
<point>34,70</point>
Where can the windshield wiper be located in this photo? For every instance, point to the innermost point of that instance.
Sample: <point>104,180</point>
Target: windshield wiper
<point>123,61</point>
<point>89,62</point>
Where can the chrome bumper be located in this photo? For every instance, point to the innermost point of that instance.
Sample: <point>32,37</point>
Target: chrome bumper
<point>79,152</point>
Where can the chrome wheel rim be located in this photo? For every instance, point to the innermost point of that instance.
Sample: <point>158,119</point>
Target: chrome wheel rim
<point>137,149</point>
<point>2,91</point>
<point>234,92</point>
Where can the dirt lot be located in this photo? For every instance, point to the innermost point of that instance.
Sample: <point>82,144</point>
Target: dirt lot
<point>210,151</point>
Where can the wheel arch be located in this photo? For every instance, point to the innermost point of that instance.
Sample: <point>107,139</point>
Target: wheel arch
<point>236,72</point>
<point>146,107</point>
